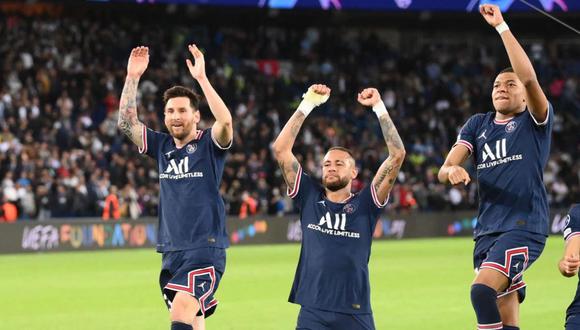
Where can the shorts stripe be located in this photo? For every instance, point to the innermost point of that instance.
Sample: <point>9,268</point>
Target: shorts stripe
<point>512,288</point>
<point>189,288</point>
<point>509,254</point>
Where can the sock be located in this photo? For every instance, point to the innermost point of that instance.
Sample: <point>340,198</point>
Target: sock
<point>484,301</point>
<point>510,327</point>
<point>175,325</point>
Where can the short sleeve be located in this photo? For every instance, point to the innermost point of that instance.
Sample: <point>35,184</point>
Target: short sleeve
<point>572,223</point>
<point>303,187</point>
<point>216,144</point>
<point>549,121</point>
<point>151,140</point>
<point>467,133</point>
<point>368,197</point>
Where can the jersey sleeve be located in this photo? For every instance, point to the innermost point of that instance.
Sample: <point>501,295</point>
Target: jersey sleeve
<point>151,141</point>
<point>548,122</point>
<point>467,133</point>
<point>572,223</point>
<point>369,199</point>
<point>215,144</point>
<point>303,187</point>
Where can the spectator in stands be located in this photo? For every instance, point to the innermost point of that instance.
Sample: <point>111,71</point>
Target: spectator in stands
<point>8,211</point>
<point>112,208</point>
<point>58,119</point>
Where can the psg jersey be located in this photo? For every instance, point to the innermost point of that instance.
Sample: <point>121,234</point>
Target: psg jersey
<point>510,157</point>
<point>191,210</point>
<point>332,272</point>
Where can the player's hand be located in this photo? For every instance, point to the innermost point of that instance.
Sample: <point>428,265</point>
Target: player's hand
<point>369,97</point>
<point>196,70</point>
<point>458,174</point>
<point>317,94</point>
<point>569,265</point>
<point>138,62</point>
<point>491,14</point>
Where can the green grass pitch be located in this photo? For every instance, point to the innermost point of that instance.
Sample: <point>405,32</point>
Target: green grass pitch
<point>416,284</point>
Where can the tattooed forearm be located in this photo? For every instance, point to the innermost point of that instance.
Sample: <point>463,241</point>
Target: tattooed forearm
<point>285,140</point>
<point>289,171</point>
<point>295,123</point>
<point>390,134</point>
<point>388,170</point>
<point>128,107</point>
<point>387,173</point>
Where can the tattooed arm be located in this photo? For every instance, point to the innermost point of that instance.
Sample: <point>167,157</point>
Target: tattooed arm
<point>387,173</point>
<point>128,121</point>
<point>282,147</point>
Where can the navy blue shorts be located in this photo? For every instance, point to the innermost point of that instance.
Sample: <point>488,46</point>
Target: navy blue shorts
<point>573,322</point>
<point>316,319</point>
<point>196,272</point>
<point>510,253</point>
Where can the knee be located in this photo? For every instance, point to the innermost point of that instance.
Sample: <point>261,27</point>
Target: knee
<point>184,308</point>
<point>482,293</point>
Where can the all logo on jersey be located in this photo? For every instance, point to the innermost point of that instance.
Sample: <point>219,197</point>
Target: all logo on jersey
<point>511,126</point>
<point>500,150</point>
<point>496,154</point>
<point>179,170</point>
<point>335,226</point>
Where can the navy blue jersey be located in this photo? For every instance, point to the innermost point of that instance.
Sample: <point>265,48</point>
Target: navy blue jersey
<point>510,157</point>
<point>573,229</point>
<point>332,273</point>
<point>191,210</point>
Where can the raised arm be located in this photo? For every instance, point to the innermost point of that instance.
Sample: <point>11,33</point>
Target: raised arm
<point>535,98</point>
<point>128,120</point>
<point>222,130</point>
<point>282,147</point>
<point>387,173</point>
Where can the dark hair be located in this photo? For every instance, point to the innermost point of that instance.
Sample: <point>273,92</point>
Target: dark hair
<point>180,91</point>
<point>342,149</point>
<point>508,69</point>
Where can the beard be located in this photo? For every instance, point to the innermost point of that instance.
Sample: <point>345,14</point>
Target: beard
<point>180,134</point>
<point>335,185</point>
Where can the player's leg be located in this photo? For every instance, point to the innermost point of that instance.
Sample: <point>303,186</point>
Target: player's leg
<point>509,309</point>
<point>170,265</point>
<point>484,289</point>
<point>199,323</point>
<point>191,289</point>
<point>183,310</point>
<point>502,270</point>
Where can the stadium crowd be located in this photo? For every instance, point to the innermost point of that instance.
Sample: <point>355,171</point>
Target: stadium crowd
<point>61,154</point>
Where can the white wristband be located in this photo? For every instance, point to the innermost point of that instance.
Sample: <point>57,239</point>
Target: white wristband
<point>380,109</point>
<point>502,27</point>
<point>306,107</point>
